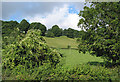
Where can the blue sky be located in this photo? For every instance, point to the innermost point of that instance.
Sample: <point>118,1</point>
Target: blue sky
<point>64,14</point>
<point>73,10</point>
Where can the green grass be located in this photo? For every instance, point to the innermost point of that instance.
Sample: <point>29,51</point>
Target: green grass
<point>61,42</point>
<point>73,58</point>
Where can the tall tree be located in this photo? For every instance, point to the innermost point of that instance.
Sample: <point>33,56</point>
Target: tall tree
<point>37,25</point>
<point>24,25</point>
<point>8,26</point>
<point>101,22</point>
<point>9,32</point>
<point>70,33</point>
<point>56,31</point>
<point>49,34</point>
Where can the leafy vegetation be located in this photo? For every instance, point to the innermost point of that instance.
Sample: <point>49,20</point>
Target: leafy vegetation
<point>102,36</point>
<point>49,34</point>
<point>56,31</point>
<point>30,52</point>
<point>23,25</point>
<point>39,26</point>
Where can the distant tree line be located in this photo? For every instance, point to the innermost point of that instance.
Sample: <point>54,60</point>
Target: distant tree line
<point>24,26</point>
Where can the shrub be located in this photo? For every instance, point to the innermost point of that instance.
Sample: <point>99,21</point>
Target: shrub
<point>68,46</point>
<point>30,52</point>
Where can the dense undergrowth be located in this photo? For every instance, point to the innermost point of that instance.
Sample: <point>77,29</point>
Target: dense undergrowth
<point>45,72</point>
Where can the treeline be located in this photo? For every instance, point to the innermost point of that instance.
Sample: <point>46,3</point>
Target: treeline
<point>55,31</point>
<point>24,26</point>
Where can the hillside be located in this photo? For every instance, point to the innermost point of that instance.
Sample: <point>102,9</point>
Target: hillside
<point>61,42</point>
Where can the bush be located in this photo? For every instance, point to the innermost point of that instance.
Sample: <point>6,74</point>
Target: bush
<point>30,52</point>
<point>68,46</point>
<point>85,72</point>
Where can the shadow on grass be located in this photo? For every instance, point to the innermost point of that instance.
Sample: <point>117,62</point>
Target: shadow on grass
<point>106,64</point>
<point>96,63</point>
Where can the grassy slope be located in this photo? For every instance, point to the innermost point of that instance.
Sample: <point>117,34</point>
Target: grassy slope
<point>61,42</point>
<point>72,56</point>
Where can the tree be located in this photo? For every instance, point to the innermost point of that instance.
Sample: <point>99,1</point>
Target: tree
<point>36,25</point>
<point>30,51</point>
<point>50,34</point>
<point>56,31</point>
<point>24,25</point>
<point>102,37</point>
<point>70,33</point>
<point>8,26</point>
<point>9,32</point>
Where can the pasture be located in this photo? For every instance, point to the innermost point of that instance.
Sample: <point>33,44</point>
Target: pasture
<point>71,56</point>
<point>61,42</point>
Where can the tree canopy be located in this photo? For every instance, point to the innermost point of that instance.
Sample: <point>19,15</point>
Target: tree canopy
<point>36,25</point>
<point>56,30</point>
<point>23,25</point>
<point>102,37</point>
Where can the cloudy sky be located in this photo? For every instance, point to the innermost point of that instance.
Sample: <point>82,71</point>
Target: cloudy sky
<point>63,14</point>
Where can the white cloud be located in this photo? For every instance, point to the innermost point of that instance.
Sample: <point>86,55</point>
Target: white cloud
<point>59,16</point>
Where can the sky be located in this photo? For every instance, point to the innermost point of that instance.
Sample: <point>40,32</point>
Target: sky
<point>63,14</point>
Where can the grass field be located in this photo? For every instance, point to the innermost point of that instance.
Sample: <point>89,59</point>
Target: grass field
<point>73,58</point>
<point>61,42</point>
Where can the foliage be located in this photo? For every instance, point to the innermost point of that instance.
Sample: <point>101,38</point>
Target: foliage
<point>30,51</point>
<point>8,26</point>
<point>71,33</point>
<point>80,72</point>
<point>10,31</point>
<point>49,34</point>
<point>102,37</point>
<point>23,25</point>
<point>77,72</point>
<point>85,72</point>
<point>12,37</point>
<point>36,25</point>
<point>56,30</point>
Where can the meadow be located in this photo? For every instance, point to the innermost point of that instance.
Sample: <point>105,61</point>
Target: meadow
<point>61,42</point>
<point>71,56</point>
